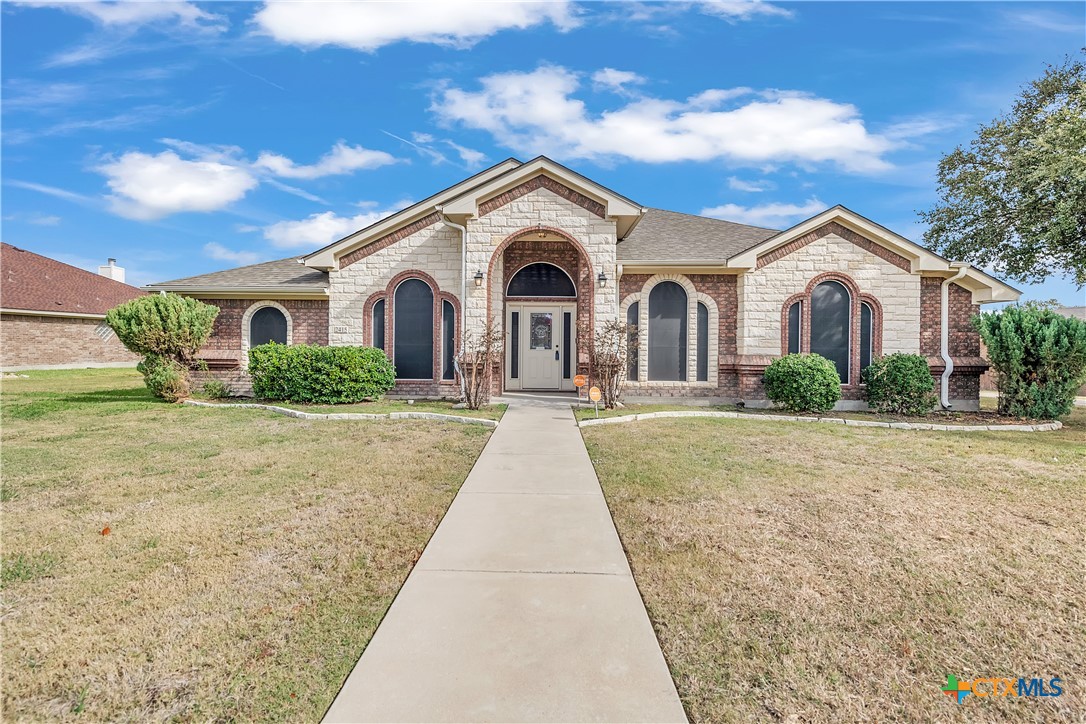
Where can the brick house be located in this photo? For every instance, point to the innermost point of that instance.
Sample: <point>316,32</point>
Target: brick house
<point>52,315</point>
<point>541,251</point>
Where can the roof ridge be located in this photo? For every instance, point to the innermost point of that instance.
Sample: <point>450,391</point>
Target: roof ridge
<point>713,218</point>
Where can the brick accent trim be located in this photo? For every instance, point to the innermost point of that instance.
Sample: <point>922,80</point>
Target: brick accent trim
<point>388,240</point>
<point>856,297</point>
<point>367,318</point>
<point>584,281</point>
<point>832,227</point>
<point>390,316</point>
<point>542,182</point>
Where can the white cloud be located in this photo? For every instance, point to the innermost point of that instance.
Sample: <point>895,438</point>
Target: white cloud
<point>341,159</point>
<point>133,14</point>
<point>738,184</point>
<point>537,112</point>
<point>616,80</point>
<point>53,191</point>
<point>732,10</point>
<point>149,186</point>
<point>368,26</point>
<point>470,157</point>
<point>217,251</point>
<point>317,230</point>
<point>771,216</point>
<point>35,218</point>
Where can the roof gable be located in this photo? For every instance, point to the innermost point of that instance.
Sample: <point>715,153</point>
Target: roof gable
<point>542,172</point>
<point>329,256</point>
<point>985,287</point>
<point>32,282</point>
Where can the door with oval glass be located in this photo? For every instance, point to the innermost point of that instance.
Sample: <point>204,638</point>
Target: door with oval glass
<point>541,346</point>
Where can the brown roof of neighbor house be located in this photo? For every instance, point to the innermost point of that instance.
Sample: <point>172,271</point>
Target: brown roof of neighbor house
<point>671,236</point>
<point>281,273</point>
<point>33,282</point>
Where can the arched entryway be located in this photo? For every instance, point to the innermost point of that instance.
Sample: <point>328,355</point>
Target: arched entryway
<point>544,280</point>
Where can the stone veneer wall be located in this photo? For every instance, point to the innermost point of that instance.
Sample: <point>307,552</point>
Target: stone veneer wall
<point>30,341</point>
<point>763,291</point>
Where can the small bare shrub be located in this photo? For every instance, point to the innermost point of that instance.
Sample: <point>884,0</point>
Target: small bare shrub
<point>608,355</point>
<point>481,352</point>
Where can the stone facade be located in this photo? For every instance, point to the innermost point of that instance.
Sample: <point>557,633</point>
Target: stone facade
<point>42,342</point>
<point>764,291</point>
<point>543,220</point>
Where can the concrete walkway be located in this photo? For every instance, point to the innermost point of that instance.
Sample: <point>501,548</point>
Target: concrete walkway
<point>522,607</point>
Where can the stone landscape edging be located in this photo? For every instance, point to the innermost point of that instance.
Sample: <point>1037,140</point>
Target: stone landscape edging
<point>301,415</point>
<point>1039,427</point>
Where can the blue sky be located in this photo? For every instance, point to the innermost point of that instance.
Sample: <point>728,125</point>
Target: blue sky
<point>187,137</point>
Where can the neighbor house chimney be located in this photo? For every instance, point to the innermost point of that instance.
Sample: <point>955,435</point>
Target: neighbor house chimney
<point>112,271</point>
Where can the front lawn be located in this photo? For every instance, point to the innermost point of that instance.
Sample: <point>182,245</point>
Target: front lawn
<point>168,562</point>
<point>829,573</point>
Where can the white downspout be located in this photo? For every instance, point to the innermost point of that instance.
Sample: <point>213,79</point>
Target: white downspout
<point>944,334</point>
<point>463,292</point>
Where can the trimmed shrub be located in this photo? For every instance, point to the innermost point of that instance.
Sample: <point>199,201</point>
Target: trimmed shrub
<point>803,383</point>
<point>217,389</point>
<point>164,377</point>
<point>900,384</point>
<point>325,375</point>
<point>167,330</point>
<point>1039,357</point>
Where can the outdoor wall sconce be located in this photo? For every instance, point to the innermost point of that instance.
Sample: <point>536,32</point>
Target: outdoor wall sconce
<point>602,279</point>
<point>540,232</point>
<point>478,279</point>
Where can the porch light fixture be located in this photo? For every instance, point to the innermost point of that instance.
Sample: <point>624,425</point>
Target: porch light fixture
<point>602,279</point>
<point>540,232</point>
<point>478,279</point>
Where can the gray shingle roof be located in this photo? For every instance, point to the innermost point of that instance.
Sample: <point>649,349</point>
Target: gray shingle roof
<point>671,236</point>
<point>281,273</point>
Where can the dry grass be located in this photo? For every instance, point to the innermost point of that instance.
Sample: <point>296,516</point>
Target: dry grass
<point>817,573</point>
<point>248,561</point>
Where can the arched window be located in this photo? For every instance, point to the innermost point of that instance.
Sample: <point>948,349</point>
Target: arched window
<point>830,334</point>
<point>667,332</point>
<point>865,335</point>
<point>795,314</point>
<point>413,331</point>
<point>268,324</point>
<point>633,315</point>
<point>541,280</point>
<point>703,343</point>
<point>379,324</point>
<point>448,340</point>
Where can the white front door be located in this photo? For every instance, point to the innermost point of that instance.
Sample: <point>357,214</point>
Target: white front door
<point>537,356</point>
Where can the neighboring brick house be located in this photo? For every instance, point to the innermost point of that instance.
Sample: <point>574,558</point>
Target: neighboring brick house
<point>542,251</point>
<point>52,315</point>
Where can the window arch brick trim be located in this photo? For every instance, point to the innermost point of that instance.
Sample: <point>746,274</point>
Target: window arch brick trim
<point>248,317</point>
<point>856,297</point>
<point>390,316</point>
<point>367,316</point>
<point>586,289</point>
<point>389,239</point>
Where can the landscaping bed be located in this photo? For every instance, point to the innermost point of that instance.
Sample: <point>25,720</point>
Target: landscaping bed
<point>378,407</point>
<point>163,563</point>
<point>987,415</point>
<point>831,572</point>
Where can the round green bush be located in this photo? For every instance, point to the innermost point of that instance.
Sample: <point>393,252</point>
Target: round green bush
<point>803,383</point>
<point>325,375</point>
<point>900,384</point>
